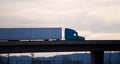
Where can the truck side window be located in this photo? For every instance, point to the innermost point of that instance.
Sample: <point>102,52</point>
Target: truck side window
<point>74,34</point>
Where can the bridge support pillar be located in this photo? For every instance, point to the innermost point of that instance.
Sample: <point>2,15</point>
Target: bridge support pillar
<point>0,59</point>
<point>97,57</point>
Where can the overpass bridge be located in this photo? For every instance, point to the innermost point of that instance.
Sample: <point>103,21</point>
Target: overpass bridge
<point>96,47</point>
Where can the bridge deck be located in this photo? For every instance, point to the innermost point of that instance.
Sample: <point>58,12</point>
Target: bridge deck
<point>59,46</point>
<point>4,43</point>
<point>97,47</point>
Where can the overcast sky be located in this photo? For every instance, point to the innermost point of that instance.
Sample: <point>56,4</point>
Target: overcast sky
<point>94,19</point>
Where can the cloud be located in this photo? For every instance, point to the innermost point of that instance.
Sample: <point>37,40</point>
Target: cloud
<point>103,20</point>
<point>104,36</point>
<point>95,16</point>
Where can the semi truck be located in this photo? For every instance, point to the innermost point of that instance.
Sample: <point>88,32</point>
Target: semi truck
<point>45,34</point>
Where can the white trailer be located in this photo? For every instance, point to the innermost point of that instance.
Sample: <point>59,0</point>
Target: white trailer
<point>30,33</point>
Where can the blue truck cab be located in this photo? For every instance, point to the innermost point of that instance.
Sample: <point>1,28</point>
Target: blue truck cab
<point>71,34</point>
